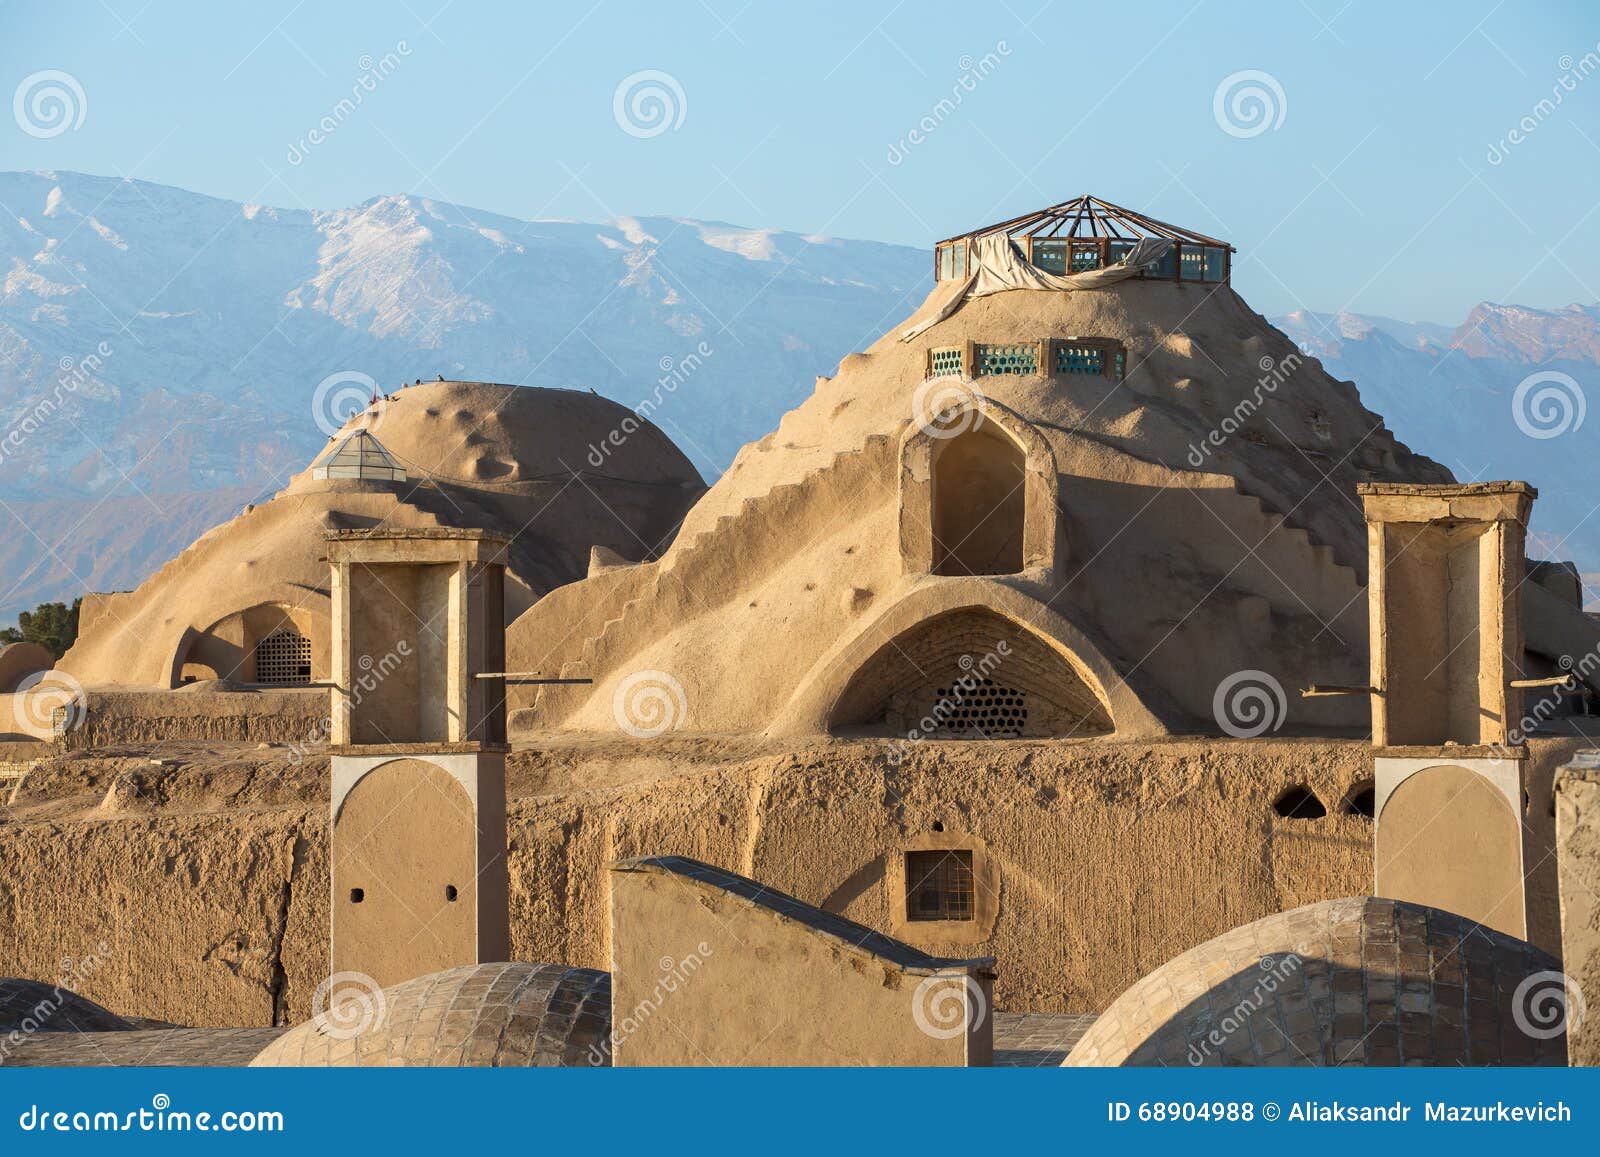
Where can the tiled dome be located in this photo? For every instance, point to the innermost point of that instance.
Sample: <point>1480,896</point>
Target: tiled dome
<point>483,1015</point>
<point>1356,981</point>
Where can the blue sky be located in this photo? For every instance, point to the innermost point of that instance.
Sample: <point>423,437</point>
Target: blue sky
<point>1374,190</point>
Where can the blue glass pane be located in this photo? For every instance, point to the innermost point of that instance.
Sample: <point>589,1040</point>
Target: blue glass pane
<point>1051,256</point>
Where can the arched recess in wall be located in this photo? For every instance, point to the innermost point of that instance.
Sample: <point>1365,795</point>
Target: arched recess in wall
<point>971,673</point>
<point>403,869</point>
<point>977,493</point>
<point>272,643</point>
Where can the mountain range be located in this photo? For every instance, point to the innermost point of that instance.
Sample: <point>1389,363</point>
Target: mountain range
<point>161,352</point>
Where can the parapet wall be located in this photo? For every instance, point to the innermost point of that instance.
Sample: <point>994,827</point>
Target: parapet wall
<point>711,968</point>
<point>120,718</point>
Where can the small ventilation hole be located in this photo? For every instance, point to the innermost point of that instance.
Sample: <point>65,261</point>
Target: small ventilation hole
<point>450,893</point>
<point>1361,801</point>
<point>357,895</point>
<point>938,825</point>
<point>1299,803</point>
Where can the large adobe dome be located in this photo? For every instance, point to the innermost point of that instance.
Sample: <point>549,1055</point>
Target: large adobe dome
<point>1357,981</point>
<point>480,1015</point>
<point>1143,477</point>
<point>472,455</point>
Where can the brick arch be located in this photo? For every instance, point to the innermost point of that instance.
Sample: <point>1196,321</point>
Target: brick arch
<point>970,673</point>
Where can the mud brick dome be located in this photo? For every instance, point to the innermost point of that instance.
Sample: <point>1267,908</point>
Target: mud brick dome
<point>486,1015</point>
<point>248,600</point>
<point>1358,981</point>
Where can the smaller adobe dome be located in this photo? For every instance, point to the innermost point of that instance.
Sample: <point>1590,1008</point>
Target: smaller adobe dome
<point>29,1006</point>
<point>487,434</point>
<point>479,1016</point>
<point>1355,981</point>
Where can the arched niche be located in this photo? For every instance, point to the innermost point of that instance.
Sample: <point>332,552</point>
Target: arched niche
<point>1448,837</point>
<point>970,673</point>
<point>232,647</point>
<point>977,493</point>
<point>404,876</point>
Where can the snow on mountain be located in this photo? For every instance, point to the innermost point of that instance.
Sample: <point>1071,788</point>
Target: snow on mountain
<point>1453,394</point>
<point>159,351</point>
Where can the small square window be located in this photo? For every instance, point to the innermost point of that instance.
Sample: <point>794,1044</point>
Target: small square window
<point>939,885</point>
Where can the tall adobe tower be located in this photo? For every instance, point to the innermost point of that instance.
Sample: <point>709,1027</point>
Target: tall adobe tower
<point>418,750</point>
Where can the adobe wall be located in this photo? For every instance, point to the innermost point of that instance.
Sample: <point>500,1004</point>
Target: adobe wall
<point>1578,824</point>
<point>209,883</point>
<point>116,718</point>
<point>709,968</point>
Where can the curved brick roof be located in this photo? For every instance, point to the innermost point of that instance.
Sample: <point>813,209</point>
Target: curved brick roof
<point>1356,981</point>
<point>483,1015</point>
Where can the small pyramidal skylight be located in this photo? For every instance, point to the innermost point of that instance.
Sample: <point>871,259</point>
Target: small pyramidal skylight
<point>358,456</point>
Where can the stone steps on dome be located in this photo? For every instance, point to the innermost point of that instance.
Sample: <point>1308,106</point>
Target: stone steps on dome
<point>767,533</point>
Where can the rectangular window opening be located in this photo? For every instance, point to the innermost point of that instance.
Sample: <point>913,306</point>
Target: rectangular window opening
<point>939,885</point>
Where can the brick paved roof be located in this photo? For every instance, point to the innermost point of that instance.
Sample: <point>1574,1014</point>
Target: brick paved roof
<point>1356,981</point>
<point>484,1015</point>
<point>31,1006</point>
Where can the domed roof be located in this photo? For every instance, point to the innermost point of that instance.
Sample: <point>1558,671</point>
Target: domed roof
<point>481,1015</point>
<point>559,472</point>
<point>1356,981</point>
<point>31,1006</point>
<point>483,434</point>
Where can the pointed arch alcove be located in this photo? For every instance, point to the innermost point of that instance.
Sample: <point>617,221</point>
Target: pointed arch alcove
<point>977,493</point>
<point>971,673</point>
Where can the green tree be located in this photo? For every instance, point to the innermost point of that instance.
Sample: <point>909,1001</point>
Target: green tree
<point>54,626</point>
